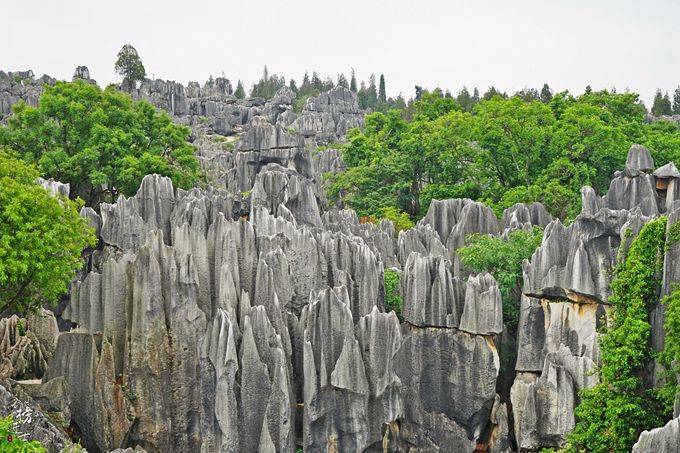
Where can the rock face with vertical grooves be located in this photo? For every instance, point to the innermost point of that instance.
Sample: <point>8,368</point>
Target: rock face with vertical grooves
<point>200,330</point>
<point>661,440</point>
<point>483,310</point>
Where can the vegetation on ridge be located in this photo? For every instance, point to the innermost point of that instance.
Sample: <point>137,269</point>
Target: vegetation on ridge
<point>101,142</point>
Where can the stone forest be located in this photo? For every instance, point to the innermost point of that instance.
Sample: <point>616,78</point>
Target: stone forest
<point>321,268</point>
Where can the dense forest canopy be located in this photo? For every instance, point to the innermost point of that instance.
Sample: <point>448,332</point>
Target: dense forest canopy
<point>501,150</point>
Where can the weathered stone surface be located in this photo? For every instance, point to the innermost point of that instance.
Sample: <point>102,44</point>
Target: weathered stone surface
<point>427,288</point>
<point>422,239</point>
<point>661,440</point>
<point>576,262</point>
<point>53,397</point>
<point>336,388</point>
<point>530,335</point>
<point>483,309</point>
<point>328,117</point>
<point>525,216</point>
<point>639,160</point>
<point>449,382</point>
<point>328,161</point>
<point>286,193</point>
<point>29,420</point>
<point>25,352</point>
<point>379,336</point>
<point>380,238</point>
<point>55,187</point>
<point>499,439</point>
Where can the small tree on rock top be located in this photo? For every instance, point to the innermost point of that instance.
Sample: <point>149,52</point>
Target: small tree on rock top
<point>129,66</point>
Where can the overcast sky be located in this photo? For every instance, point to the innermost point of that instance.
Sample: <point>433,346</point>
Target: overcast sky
<point>508,44</point>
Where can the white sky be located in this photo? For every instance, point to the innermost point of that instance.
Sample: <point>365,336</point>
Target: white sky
<point>510,44</point>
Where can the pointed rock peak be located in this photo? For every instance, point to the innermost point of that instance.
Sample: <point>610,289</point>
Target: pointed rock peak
<point>667,171</point>
<point>639,160</point>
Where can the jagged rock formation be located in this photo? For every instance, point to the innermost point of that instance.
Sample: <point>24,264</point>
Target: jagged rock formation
<point>250,317</point>
<point>566,287</point>
<point>198,329</point>
<point>328,116</point>
<point>661,440</point>
<point>27,345</point>
<point>20,86</point>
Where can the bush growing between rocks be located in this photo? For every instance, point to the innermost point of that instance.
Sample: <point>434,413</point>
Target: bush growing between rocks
<point>612,414</point>
<point>393,299</point>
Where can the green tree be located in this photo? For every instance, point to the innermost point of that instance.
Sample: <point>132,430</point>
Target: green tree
<point>129,66</point>
<point>293,86</point>
<point>528,94</point>
<point>464,99</point>
<point>502,152</point>
<point>240,92</point>
<point>662,104</point>
<point>317,84</point>
<point>546,94</point>
<point>41,239</point>
<point>382,95</point>
<point>676,101</point>
<point>342,81</point>
<point>492,92</point>
<point>99,141</point>
<point>353,82</point>
<point>268,85</point>
<point>393,299</point>
<point>475,97</point>
<point>614,412</point>
<point>502,258</point>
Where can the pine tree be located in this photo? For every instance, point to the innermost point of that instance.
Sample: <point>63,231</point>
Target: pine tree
<point>491,92</point>
<point>240,92</point>
<point>306,84</point>
<point>588,89</point>
<point>317,84</point>
<point>382,96</point>
<point>464,99</point>
<point>372,92</point>
<point>676,101</point>
<point>342,81</point>
<point>656,105</point>
<point>475,97</point>
<point>662,104</point>
<point>667,106</point>
<point>353,82</point>
<point>546,94</point>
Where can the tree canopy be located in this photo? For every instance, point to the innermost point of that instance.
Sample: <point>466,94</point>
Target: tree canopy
<point>99,141</point>
<point>502,257</point>
<point>129,65</point>
<point>502,151</point>
<point>41,238</point>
